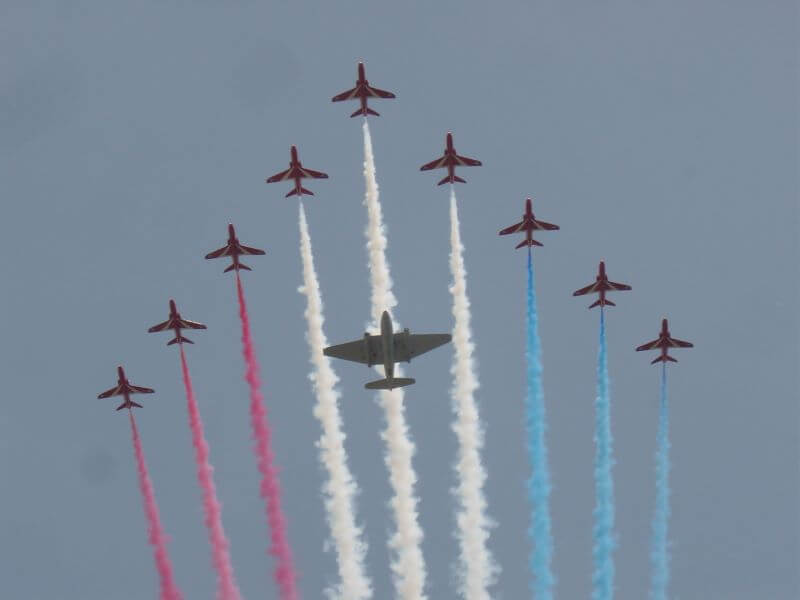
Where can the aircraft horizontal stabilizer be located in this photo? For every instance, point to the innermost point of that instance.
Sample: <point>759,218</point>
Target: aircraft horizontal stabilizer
<point>388,384</point>
<point>664,358</point>
<point>524,243</point>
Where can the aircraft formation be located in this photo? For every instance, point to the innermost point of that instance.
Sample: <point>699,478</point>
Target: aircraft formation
<point>389,347</point>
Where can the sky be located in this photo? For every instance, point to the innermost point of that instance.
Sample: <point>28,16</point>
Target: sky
<point>662,138</point>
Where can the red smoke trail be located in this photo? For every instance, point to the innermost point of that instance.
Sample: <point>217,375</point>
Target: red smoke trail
<point>226,582</point>
<point>270,487</point>
<point>155,534</point>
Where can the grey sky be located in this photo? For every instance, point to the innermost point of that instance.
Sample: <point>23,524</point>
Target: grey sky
<point>660,137</point>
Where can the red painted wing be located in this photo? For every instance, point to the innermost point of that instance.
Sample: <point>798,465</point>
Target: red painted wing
<point>250,251</point>
<point>224,251</point>
<point>376,93</point>
<point>649,345</point>
<point>434,164</point>
<point>161,326</point>
<point>314,174</point>
<point>115,391</point>
<point>348,95</point>
<point>620,287</point>
<point>586,290</point>
<point>516,228</point>
<point>184,324</point>
<point>546,226</point>
<point>680,343</point>
<point>468,162</point>
<point>282,176</point>
<point>135,389</point>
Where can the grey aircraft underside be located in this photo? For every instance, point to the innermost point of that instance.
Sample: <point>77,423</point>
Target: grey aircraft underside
<point>386,349</point>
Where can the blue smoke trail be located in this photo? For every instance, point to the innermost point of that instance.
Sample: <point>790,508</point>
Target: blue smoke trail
<point>539,484</point>
<point>659,553</point>
<point>603,576</point>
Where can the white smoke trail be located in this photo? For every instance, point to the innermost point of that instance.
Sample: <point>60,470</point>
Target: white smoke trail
<point>408,564</point>
<point>340,489</point>
<point>477,569</point>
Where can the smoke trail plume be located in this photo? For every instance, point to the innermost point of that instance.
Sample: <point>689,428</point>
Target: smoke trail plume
<point>285,575</point>
<point>340,489</point>
<point>603,576</point>
<point>477,569</point>
<point>408,564</point>
<point>539,484</point>
<point>659,553</point>
<point>226,582</point>
<point>155,533</point>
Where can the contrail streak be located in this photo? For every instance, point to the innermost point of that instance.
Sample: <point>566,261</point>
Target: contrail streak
<point>659,553</point>
<point>155,534</point>
<point>603,576</point>
<point>285,575</point>
<point>539,484</point>
<point>340,489</point>
<point>226,581</point>
<point>477,569</point>
<point>408,564</point>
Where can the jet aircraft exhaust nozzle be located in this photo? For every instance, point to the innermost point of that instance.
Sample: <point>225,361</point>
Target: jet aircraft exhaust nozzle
<point>389,384</point>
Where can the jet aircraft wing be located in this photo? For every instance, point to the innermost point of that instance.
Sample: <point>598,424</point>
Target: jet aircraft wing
<point>620,287</point>
<point>224,251</point>
<point>135,389</point>
<point>367,350</point>
<point>314,174</point>
<point>408,346</point>
<point>680,343</point>
<point>115,391</point>
<point>516,228</point>
<point>161,326</point>
<point>468,162</point>
<point>249,251</point>
<point>184,324</point>
<point>282,176</point>
<point>588,290</point>
<point>348,95</point>
<point>434,164</point>
<point>376,93</point>
<point>649,345</point>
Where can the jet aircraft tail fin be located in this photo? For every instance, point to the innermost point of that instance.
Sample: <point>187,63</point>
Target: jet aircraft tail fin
<point>179,339</point>
<point>388,384</point>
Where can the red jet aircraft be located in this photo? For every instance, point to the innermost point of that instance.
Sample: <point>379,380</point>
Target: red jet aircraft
<point>362,91</point>
<point>123,388</point>
<point>601,286</point>
<point>233,249</point>
<point>664,342</point>
<point>177,323</point>
<point>297,172</point>
<point>529,224</point>
<point>451,160</point>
